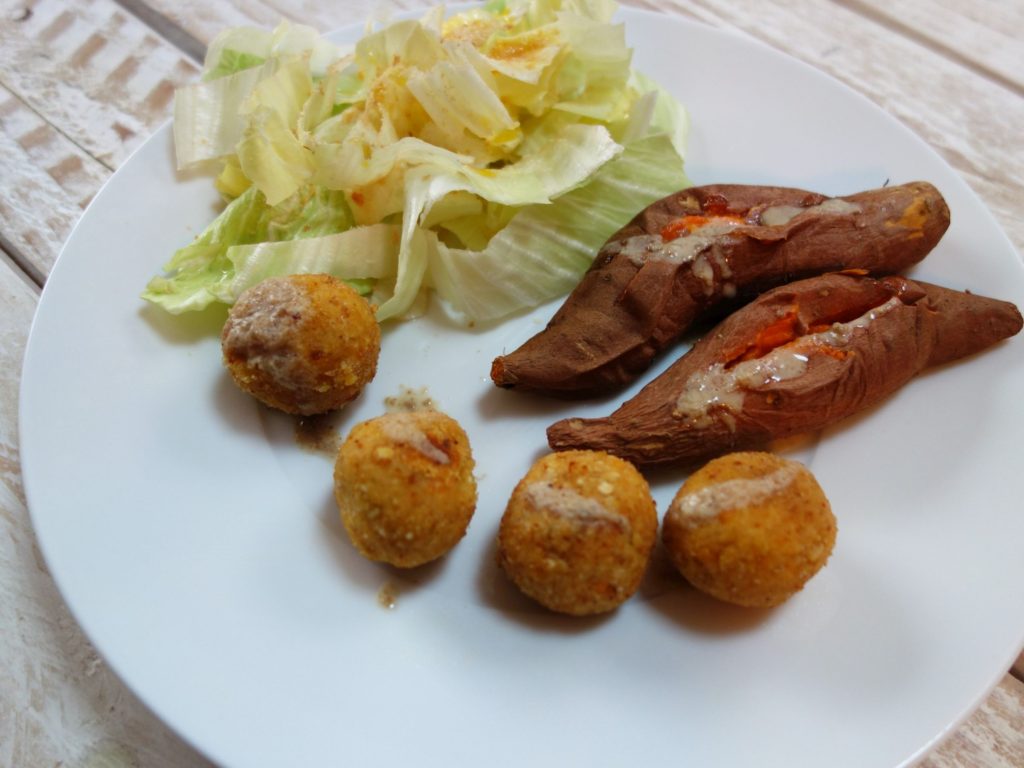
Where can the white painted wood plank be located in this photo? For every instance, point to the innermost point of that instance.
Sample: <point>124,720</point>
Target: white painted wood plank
<point>328,16</point>
<point>985,33</point>
<point>205,20</point>
<point>56,180</point>
<point>102,77</point>
<point>992,738</point>
<point>59,704</point>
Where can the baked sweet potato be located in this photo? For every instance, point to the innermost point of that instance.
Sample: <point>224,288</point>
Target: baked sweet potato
<point>797,359</point>
<point>701,251</point>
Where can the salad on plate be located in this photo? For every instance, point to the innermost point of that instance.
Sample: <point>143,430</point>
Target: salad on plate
<point>484,156</point>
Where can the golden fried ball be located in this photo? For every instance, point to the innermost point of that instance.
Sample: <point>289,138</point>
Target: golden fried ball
<point>405,488</point>
<point>578,532</point>
<point>304,344</point>
<point>750,528</point>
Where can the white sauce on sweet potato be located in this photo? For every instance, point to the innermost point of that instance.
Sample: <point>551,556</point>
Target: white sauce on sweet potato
<point>704,272</point>
<point>718,388</point>
<point>641,249</point>
<point>725,387</point>
<point>777,215</point>
<point>840,334</point>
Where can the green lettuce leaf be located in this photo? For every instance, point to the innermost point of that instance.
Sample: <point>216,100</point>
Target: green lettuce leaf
<point>485,156</point>
<point>567,161</point>
<point>204,272</point>
<point>360,254</point>
<point>544,249</point>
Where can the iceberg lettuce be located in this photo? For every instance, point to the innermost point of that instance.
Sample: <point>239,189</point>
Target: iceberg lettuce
<point>485,156</point>
<point>204,272</point>
<point>542,251</point>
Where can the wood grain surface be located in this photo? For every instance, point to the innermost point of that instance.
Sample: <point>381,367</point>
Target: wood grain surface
<point>84,82</point>
<point>983,35</point>
<point>979,136</point>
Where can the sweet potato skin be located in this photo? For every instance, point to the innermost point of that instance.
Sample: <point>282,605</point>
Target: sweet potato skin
<point>626,309</point>
<point>916,325</point>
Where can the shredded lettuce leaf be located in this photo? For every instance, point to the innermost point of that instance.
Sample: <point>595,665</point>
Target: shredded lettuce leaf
<point>204,272</point>
<point>484,157</point>
<point>542,251</point>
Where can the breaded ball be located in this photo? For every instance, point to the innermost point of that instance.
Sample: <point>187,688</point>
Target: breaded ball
<point>304,344</point>
<point>578,532</point>
<point>405,487</point>
<point>750,528</point>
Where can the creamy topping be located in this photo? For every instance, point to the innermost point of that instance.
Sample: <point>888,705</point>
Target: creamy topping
<point>404,430</point>
<point>706,389</point>
<point>721,386</point>
<point>723,264</point>
<point>567,503</point>
<point>712,500</point>
<point>718,387</point>
<point>839,334</point>
<point>778,215</point>
<point>636,248</point>
<point>261,336</point>
<point>640,249</point>
<point>716,227</point>
<point>704,272</point>
<point>261,327</point>
<point>261,308</point>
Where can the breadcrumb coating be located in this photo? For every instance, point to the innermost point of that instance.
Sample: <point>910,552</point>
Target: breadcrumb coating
<point>304,344</point>
<point>750,528</point>
<point>404,486</point>
<point>578,532</point>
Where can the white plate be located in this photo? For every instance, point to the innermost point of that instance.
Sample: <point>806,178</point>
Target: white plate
<point>199,547</point>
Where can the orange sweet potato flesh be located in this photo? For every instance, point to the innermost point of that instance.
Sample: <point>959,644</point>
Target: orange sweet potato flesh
<point>705,404</point>
<point>632,303</point>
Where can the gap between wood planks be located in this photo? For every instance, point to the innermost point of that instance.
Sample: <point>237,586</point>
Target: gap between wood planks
<point>10,253</point>
<point>195,49</point>
<point>906,30</point>
<point>192,47</point>
<point>22,267</point>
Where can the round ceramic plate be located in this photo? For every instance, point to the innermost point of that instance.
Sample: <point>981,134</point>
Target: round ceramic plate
<point>199,546</point>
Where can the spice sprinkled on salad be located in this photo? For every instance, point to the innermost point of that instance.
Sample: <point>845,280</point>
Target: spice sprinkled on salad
<point>485,156</point>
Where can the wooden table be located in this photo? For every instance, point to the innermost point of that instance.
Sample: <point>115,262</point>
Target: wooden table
<point>84,82</point>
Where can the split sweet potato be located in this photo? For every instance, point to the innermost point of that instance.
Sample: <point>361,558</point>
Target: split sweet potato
<point>703,250</point>
<point>797,359</point>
